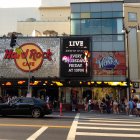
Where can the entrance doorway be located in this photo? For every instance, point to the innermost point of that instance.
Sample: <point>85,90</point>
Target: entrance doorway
<point>51,92</point>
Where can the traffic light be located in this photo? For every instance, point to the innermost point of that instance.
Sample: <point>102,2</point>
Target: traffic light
<point>133,90</point>
<point>13,40</point>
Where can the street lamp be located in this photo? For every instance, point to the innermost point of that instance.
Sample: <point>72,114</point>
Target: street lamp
<point>29,72</point>
<point>127,31</point>
<point>14,43</point>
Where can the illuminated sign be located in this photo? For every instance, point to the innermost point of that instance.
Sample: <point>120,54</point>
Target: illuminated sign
<point>75,57</point>
<point>109,63</point>
<point>29,58</point>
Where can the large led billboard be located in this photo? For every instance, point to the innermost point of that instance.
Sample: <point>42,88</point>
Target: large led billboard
<point>75,57</point>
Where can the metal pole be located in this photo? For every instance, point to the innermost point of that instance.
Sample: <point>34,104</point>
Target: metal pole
<point>28,91</point>
<point>128,64</point>
<point>29,72</point>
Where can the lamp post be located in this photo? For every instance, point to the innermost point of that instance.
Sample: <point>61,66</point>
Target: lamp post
<point>29,72</point>
<point>127,31</point>
<point>14,43</point>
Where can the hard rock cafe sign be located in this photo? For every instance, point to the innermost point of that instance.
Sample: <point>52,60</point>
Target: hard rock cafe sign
<point>28,57</point>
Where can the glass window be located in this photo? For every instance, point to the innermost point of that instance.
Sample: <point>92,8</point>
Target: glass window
<point>106,7</point>
<point>106,38</point>
<point>96,38</point>
<point>75,7</point>
<point>96,15</point>
<point>117,6</point>
<point>106,14</point>
<point>95,7</point>
<point>117,14</point>
<point>107,26</point>
<point>117,38</point>
<point>85,27</point>
<point>75,27</point>
<point>85,15</point>
<point>85,7</point>
<point>26,100</point>
<point>75,15</point>
<point>112,26</point>
<point>119,26</point>
<point>132,16</point>
<point>118,46</point>
<point>95,26</point>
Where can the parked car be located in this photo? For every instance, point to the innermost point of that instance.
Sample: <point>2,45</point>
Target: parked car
<point>25,106</point>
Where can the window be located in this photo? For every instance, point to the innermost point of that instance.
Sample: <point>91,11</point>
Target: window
<point>132,16</point>
<point>107,26</point>
<point>85,27</point>
<point>95,27</point>
<point>26,100</point>
<point>96,15</point>
<point>117,14</point>
<point>75,15</point>
<point>85,15</point>
<point>106,14</point>
<point>75,27</point>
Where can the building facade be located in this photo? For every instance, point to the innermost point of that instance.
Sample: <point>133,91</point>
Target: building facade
<point>131,22</point>
<point>102,22</point>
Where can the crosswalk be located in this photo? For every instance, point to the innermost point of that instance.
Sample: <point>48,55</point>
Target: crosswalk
<point>100,127</point>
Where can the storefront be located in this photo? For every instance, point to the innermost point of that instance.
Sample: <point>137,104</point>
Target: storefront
<point>61,68</point>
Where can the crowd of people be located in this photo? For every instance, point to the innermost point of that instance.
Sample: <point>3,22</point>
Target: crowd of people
<point>131,107</point>
<point>106,105</point>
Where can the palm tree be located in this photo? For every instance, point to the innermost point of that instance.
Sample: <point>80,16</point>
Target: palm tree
<point>50,33</point>
<point>16,33</point>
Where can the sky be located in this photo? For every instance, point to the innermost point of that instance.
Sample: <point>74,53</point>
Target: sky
<point>19,3</point>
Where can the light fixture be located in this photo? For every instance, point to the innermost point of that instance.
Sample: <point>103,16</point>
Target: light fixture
<point>21,82</point>
<point>8,84</point>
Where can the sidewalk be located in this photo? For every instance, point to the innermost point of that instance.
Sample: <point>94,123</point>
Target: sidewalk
<point>71,115</point>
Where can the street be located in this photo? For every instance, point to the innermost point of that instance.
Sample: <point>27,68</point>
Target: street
<point>71,126</point>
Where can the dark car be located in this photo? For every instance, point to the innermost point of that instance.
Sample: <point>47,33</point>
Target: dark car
<point>25,106</point>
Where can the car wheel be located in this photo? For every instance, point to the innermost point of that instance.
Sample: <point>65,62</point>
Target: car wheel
<point>36,113</point>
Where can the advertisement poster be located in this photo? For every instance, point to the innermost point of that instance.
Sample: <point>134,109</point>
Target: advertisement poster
<point>109,63</point>
<point>75,57</point>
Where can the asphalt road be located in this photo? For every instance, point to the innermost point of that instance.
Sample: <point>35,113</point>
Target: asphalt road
<point>71,126</point>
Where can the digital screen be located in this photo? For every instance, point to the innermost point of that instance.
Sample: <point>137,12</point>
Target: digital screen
<point>75,57</point>
<point>109,63</point>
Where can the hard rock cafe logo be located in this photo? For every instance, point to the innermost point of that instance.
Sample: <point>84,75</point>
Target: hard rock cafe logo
<point>29,57</point>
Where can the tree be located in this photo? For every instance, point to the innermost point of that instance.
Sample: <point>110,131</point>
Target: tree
<point>50,33</point>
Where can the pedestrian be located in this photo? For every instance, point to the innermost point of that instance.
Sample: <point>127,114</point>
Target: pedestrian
<point>74,104</point>
<point>102,106</point>
<point>138,108</point>
<point>89,104</point>
<point>126,106</point>
<point>47,101</point>
<point>115,107</point>
<point>85,104</point>
<point>130,107</point>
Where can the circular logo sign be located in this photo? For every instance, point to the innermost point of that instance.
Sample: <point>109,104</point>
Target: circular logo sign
<point>30,57</point>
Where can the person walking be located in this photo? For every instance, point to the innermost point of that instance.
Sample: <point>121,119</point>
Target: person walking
<point>115,107</point>
<point>138,108</point>
<point>130,107</point>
